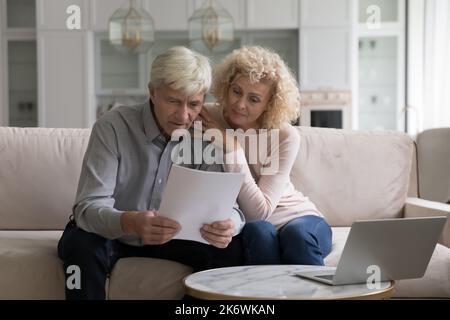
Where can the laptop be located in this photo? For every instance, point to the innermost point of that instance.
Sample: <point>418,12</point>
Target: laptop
<point>390,249</point>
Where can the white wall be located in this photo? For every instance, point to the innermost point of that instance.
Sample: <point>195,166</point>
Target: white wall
<point>416,20</point>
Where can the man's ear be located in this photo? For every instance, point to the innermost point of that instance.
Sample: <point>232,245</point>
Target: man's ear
<point>151,91</point>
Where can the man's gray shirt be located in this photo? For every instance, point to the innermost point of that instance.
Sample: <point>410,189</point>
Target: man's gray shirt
<point>125,168</point>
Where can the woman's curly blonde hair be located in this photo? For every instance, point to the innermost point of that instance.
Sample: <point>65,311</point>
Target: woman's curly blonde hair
<point>260,63</point>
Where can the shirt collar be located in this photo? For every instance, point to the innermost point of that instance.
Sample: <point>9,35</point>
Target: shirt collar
<point>151,128</point>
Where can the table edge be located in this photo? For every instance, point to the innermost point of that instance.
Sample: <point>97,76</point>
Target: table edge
<point>204,295</point>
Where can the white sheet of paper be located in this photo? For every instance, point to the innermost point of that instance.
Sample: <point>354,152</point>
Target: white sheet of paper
<point>194,197</point>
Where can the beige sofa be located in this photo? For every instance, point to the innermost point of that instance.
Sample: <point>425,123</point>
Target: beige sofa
<point>349,175</point>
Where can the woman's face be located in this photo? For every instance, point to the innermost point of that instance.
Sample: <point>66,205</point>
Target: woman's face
<point>246,102</point>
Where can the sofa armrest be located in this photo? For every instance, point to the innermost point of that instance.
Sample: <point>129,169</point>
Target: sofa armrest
<point>415,207</point>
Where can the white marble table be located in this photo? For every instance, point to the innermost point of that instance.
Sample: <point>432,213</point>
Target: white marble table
<point>274,282</point>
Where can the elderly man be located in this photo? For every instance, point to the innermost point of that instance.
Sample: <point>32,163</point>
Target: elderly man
<point>124,172</point>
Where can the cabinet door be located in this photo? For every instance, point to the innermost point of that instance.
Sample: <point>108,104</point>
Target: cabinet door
<point>236,8</point>
<point>325,58</point>
<point>118,73</point>
<point>63,88</point>
<point>326,12</point>
<point>22,83</point>
<point>18,14</point>
<point>269,14</point>
<point>381,83</point>
<point>52,14</point>
<point>102,10</point>
<point>169,14</point>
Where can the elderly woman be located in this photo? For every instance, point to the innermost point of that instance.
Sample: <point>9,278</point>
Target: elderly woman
<point>255,90</point>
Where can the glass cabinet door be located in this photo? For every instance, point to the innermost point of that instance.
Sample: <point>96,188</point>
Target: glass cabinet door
<point>381,65</point>
<point>21,63</point>
<point>22,80</point>
<point>21,14</point>
<point>388,10</point>
<point>378,85</point>
<point>117,72</point>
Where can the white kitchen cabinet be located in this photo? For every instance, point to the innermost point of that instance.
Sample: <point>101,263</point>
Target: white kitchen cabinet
<point>325,58</point>
<point>169,15</point>
<point>52,14</point>
<point>65,93</point>
<point>391,13</point>
<point>102,10</point>
<point>327,44</point>
<point>269,14</point>
<point>315,13</point>
<point>381,82</point>
<point>380,86</point>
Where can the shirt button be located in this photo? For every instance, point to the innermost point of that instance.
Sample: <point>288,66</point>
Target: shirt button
<point>159,181</point>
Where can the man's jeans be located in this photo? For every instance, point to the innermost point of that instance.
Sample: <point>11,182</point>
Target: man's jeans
<point>96,257</point>
<point>305,240</point>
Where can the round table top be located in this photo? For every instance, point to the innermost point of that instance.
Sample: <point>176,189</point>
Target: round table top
<point>274,282</point>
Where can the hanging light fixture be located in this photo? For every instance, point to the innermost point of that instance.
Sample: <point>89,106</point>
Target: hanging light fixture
<point>211,28</point>
<point>131,29</point>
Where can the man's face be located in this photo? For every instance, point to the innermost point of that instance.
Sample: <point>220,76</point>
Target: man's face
<point>174,109</point>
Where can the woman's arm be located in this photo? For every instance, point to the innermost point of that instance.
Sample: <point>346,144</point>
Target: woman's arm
<point>258,199</point>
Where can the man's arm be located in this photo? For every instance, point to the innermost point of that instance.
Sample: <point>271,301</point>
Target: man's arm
<point>94,205</point>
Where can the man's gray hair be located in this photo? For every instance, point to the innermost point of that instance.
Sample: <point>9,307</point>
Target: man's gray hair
<point>181,69</point>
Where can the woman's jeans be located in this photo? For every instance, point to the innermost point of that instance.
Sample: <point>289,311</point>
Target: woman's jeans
<point>305,240</point>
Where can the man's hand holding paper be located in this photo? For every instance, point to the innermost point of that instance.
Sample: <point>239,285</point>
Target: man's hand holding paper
<point>219,233</point>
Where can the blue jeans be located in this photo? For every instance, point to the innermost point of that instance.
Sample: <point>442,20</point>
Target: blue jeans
<point>305,240</point>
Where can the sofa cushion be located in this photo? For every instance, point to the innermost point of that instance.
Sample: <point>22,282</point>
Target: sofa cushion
<point>354,175</point>
<point>29,265</point>
<point>39,172</point>
<point>339,238</point>
<point>434,284</point>
<point>146,278</point>
<point>31,269</point>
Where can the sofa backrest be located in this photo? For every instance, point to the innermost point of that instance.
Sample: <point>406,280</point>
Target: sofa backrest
<point>348,175</point>
<point>39,172</point>
<point>354,175</point>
